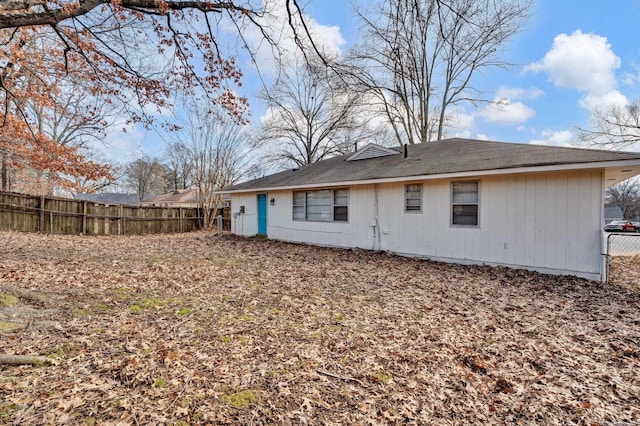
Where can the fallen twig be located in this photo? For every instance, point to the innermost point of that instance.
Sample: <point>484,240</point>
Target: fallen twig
<point>7,359</point>
<point>346,379</point>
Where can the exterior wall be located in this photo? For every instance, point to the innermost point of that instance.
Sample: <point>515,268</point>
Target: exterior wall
<point>245,224</point>
<point>550,223</point>
<point>545,222</point>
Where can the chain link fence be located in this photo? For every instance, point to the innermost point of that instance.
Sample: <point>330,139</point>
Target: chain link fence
<point>623,259</point>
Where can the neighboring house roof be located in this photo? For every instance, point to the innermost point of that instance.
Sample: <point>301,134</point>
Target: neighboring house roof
<point>450,157</point>
<point>612,212</point>
<point>109,198</point>
<point>177,196</point>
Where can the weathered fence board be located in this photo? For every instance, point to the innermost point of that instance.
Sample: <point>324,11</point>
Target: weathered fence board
<point>28,213</point>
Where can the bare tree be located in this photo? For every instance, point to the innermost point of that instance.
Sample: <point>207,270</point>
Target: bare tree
<point>625,195</point>
<point>614,126</point>
<point>75,117</point>
<point>63,120</point>
<point>178,165</point>
<point>145,176</point>
<point>310,117</point>
<point>134,53</point>
<point>6,180</point>
<point>418,58</point>
<point>216,148</point>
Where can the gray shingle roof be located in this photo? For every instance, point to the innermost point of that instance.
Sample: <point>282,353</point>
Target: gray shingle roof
<point>109,198</point>
<point>434,158</point>
<point>176,196</point>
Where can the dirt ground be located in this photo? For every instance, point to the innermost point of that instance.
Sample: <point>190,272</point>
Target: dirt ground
<point>197,329</point>
<point>625,272</point>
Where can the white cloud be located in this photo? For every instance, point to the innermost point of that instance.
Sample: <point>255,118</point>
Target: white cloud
<point>555,138</point>
<point>584,62</point>
<point>595,101</point>
<point>119,147</point>
<point>460,122</point>
<point>327,38</point>
<point>580,61</point>
<point>503,111</point>
<point>518,93</point>
<point>270,114</point>
<point>631,78</point>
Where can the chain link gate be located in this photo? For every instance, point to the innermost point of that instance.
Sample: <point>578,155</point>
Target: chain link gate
<point>621,245</point>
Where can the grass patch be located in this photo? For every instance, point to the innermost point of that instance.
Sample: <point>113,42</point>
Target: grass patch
<point>242,399</point>
<point>62,351</point>
<point>225,261</point>
<point>7,409</point>
<point>185,311</point>
<point>8,300</point>
<point>380,377</point>
<point>10,326</point>
<point>148,303</point>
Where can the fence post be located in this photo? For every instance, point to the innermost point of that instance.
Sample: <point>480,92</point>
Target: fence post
<point>96,219</point>
<point>107,222</point>
<point>83,229</point>
<point>143,223</point>
<point>179,219</point>
<point>120,209</point>
<point>41,214</point>
<point>607,257</point>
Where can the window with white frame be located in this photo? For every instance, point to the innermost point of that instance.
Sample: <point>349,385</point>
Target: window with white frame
<point>413,197</point>
<point>326,205</point>
<point>465,202</point>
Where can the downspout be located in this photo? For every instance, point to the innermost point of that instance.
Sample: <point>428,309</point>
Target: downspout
<point>375,222</point>
<point>604,240</point>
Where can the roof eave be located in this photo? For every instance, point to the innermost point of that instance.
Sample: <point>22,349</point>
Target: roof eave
<point>604,165</point>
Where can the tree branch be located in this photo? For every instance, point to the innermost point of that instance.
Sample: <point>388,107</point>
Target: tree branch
<point>20,15</point>
<point>8,359</point>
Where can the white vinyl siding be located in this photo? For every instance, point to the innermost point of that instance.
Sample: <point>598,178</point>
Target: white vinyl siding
<point>321,206</point>
<point>465,203</point>
<point>550,222</point>
<point>413,198</point>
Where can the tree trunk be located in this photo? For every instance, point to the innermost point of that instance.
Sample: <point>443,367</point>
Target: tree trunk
<point>4,172</point>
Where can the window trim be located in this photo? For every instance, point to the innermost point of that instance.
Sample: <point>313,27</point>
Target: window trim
<point>332,206</point>
<point>452,204</point>
<point>419,198</point>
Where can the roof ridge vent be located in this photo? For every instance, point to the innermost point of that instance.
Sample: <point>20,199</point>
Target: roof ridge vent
<point>372,150</point>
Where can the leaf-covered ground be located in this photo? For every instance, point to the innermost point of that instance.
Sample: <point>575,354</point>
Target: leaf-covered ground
<point>204,329</point>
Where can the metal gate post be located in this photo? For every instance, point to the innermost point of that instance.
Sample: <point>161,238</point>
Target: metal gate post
<point>608,259</point>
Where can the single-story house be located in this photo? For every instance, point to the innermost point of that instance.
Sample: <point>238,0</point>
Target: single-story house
<point>457,200</point>
<point>187,198</point>
<point>110,198</point>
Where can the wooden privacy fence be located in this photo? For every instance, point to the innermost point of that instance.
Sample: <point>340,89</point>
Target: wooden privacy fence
<point>28,213</point>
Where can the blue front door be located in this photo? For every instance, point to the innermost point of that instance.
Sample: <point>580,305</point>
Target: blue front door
<point>262,214</point>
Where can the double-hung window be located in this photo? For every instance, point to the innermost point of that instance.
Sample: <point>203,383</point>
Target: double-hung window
<point>413,198</point>
<point>326,205</point>
<point>465,202</point>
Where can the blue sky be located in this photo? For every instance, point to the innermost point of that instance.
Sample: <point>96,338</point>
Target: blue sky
<point>569,59</point>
